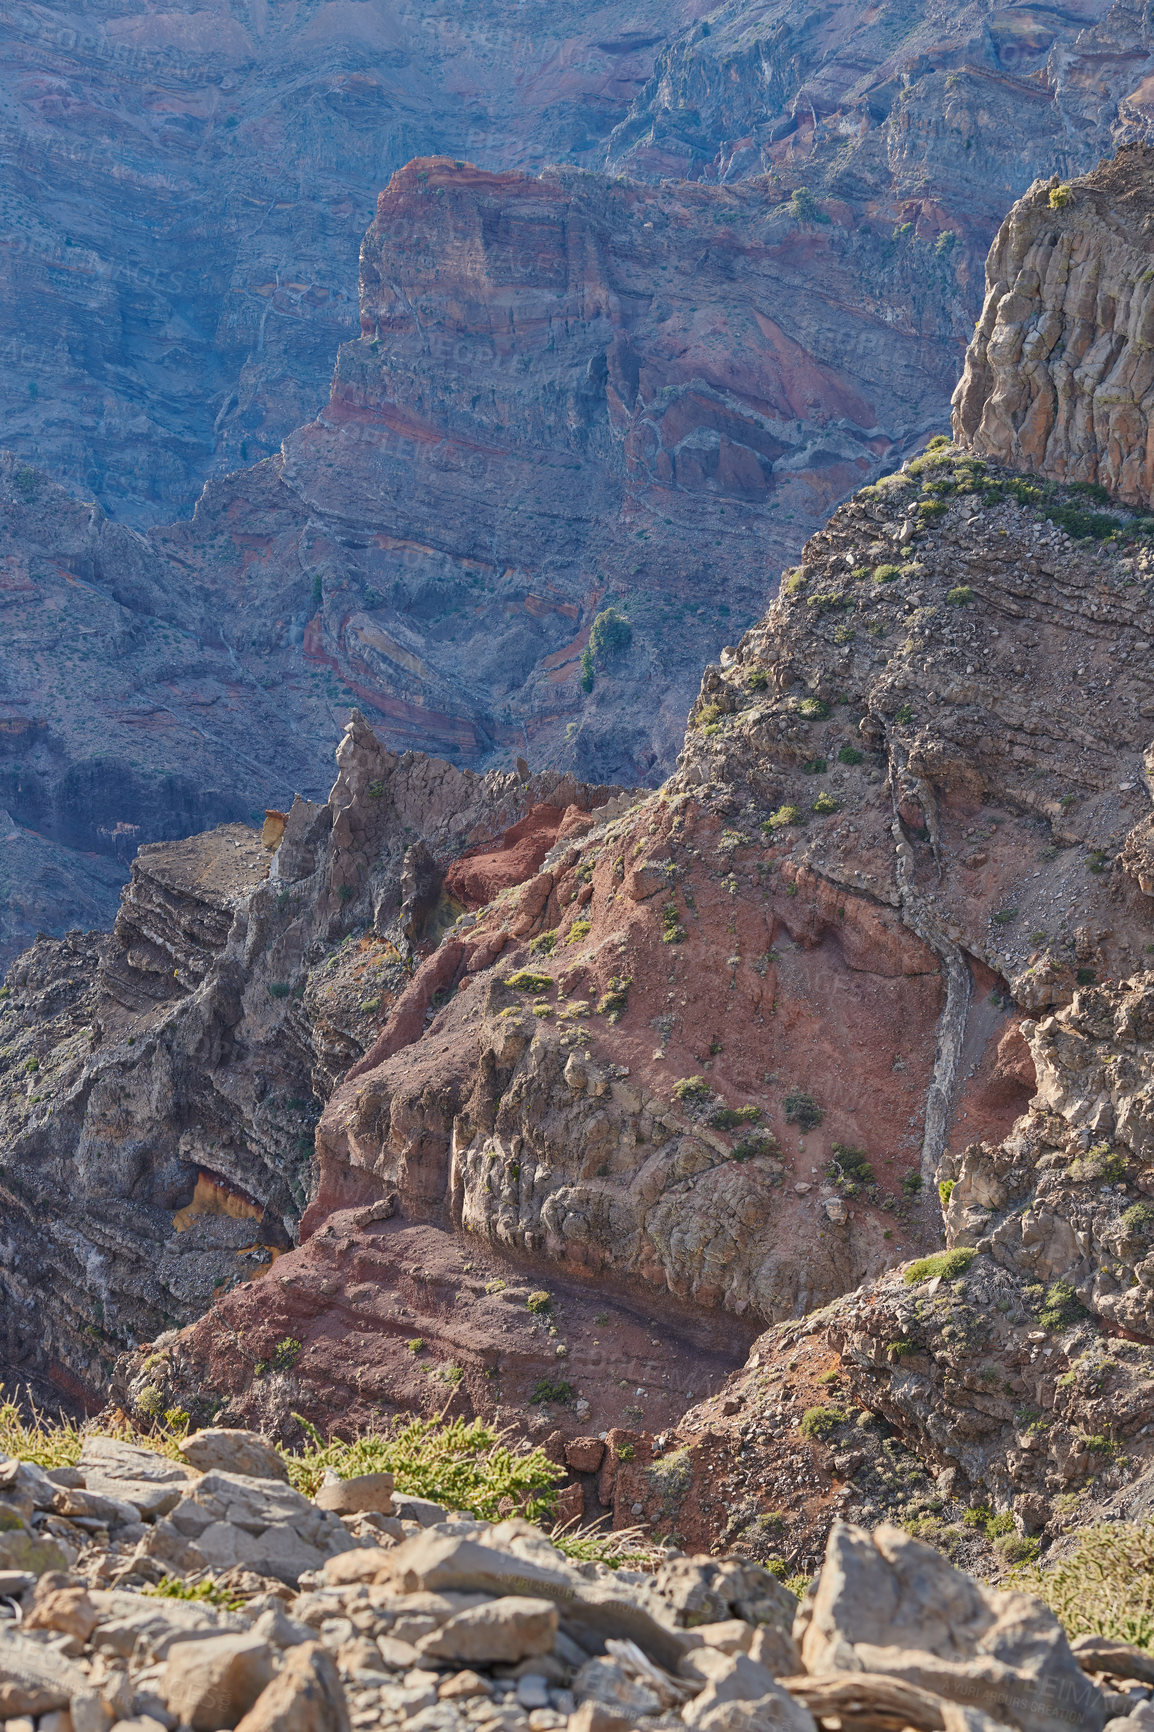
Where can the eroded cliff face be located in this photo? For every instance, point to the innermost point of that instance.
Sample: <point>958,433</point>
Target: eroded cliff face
<point>1058,378</point>
<point>725,1045</point>
<point>566,395</point>
<point>162,1082</point>
<point>187,189</point>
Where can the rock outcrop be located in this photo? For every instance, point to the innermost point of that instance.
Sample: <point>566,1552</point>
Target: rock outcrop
<point>1058,378</point>
<point>165,1079</point>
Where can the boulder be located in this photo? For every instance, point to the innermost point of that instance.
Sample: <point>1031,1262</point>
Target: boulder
<point>212,1684</point>
<point>305,1696</point>
<point>584,1454</point>
<point>262,1523</point>
<point>34,1679</point>
<point>69,1610</point>
<point>365,1491</point>
<point>244,1452</point>
<point>151,1482</point>
<point>508,1629</point>
<point>886,1603</point>
<point>743,1697</point>
<point>441,1562</point>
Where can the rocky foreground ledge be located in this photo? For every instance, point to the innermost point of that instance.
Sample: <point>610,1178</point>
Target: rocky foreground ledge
<point>148,1594</point>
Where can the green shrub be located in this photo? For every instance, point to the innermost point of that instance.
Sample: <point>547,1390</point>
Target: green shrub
<point>849,755</point>
<point>850,1167</point>
<point>1138,1220</point>
<point>931,508</point>
<point>543,944</point>
<point>960,595</point>
<point>946,1191</point>
<point>1061,1308</point>
<point>1105,1587</point>
<point>672,931</point>
<point>463,1465</point>
<point>944,1263</point>
<point>692,1088</point>
<point>614,1003</point>
<point>903,716</point>
<point>902,1349</point>
<point>1061,196</point>
<point>279,988</point>
<point>416,1345</point>
<point>887,573</point>
<point>758,680</point>
<point>912,1182</point>
<point>1099,1162</point>
<point>611,634</point>
<point>545,1391</point>
<point>206,1593</point>
<point>286,1353</point>
<point>758,1142</point>
<point>539,1302</point>
<point>580,929</point>
<point>524,980</point>
<point>783,816</point>
<point>26,481</point>
<point>793,582</point>
<point>727,1118</point>
<point>819,1422</point>
<point>815,767</point>
<point>802,1110</point>
<point>31,1065</point>
<point>825,805</point>
<point>813,709</point>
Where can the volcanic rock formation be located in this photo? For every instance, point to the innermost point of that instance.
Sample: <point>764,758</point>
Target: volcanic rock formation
<point>708,1058</point>
<point>1059,379</point>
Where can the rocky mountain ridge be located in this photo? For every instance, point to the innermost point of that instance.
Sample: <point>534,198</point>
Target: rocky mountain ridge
<point>712,1059</point>
<point>686,393</point>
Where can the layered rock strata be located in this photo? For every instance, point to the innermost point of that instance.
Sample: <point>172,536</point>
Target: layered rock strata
<point>166,1079</point>
<point>1058,378</point>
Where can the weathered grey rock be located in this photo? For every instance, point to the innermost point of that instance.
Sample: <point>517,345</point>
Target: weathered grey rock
<point>212,1684</point>
<point>610,1684</point>
<point>34,1678</point>
<point>70,1610</point>
<point>276,1627</point>
<point>141,1477</point>
<point>419,1509</point>
<point>29,1554</point>
<point>145,1629</point>
<point>887,1603</point>
<point>263,1523</point>
<point>243,1452</point>
<point>365,1491</point>
<point>306,1696</point>
<point>442,1562</point>
<point>95,1506</point>
<point>744,1697</point>
<point>508,1629</point>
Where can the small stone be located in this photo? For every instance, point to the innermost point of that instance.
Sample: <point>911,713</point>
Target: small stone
<point>597,1717</point>
<point>211,1684</point>
<point>226,1451</point>
<point>362,1565</point>
<point>802,1188</point>
<point>584,1454</point>
<point>398,1656</point>
<point>533,1690</point>
<point>463,1686</point>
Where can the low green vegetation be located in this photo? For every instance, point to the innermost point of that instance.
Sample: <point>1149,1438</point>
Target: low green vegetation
<point>802,1110</point>
<point>948,1264</point>
<point>1104,1587</point>
<point>783,816</point>
<point>524,980</point>
<point>692,1088</point>
<point>817,1422</point>
<point>460,1464</point>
